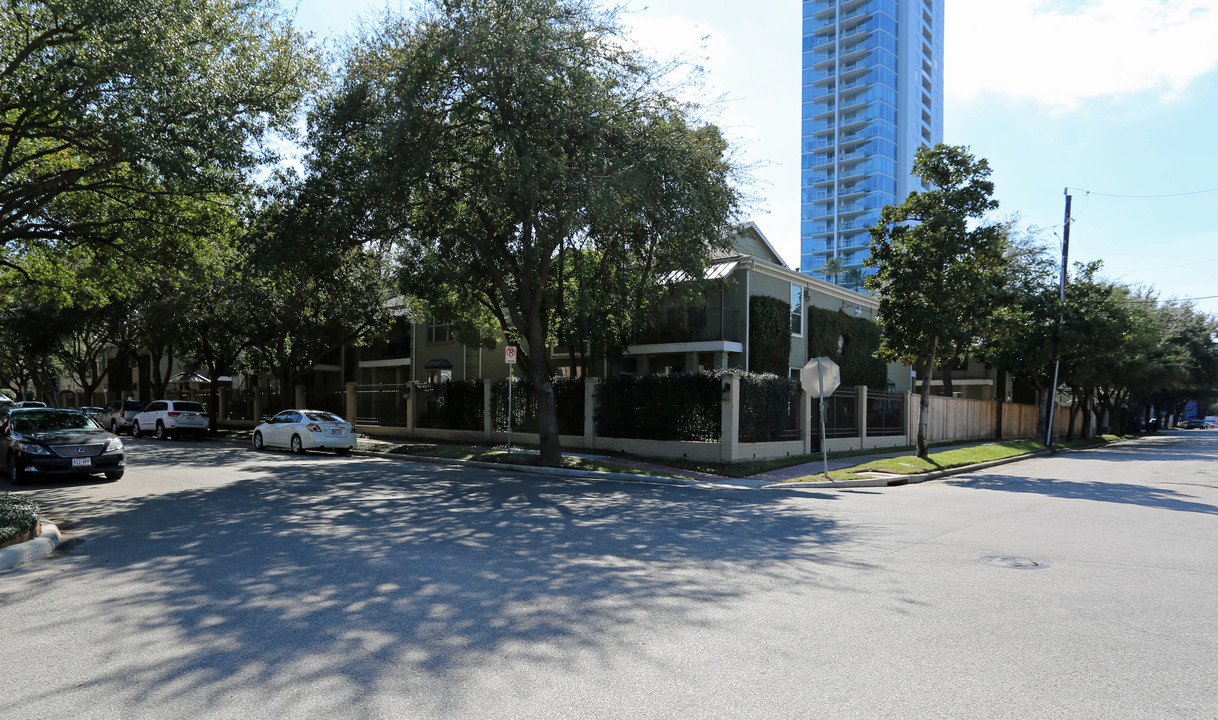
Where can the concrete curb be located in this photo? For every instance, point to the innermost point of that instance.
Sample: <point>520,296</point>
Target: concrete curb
<point>556,472</point>
<point>36,549</point>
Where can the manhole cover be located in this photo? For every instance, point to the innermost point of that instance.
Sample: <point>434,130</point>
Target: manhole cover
<point>1016,563</point>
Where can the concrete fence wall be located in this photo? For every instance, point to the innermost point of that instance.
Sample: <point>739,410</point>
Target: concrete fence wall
<point>950,419</point>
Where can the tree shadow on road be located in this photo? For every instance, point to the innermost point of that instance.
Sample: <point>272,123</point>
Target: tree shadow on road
<point>340,572</point>
<point>1099,491</point>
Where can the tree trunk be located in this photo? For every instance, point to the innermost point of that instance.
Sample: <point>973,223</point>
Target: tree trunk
<point>946,368</point>
<point>547,408</point>
<point>1042,414</point>
<point>924,401</point>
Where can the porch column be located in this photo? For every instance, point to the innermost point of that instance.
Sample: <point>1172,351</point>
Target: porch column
<point>730,419</point>
<point>721,360</point>
<point>691,362</point>
<point>351,401</point>
<point>300,396</point>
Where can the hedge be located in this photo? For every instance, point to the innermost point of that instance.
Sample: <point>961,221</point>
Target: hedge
<point>18,515</point>
<point>568,397</point>
<point>769,335</point>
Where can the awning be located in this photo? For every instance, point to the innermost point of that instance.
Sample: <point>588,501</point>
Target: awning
<point>440,364</point>
<point>712,272</point>
<point>187,377</point>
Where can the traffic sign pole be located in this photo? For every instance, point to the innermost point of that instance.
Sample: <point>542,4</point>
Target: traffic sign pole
<point>824,446</point>
<point>509,357</point>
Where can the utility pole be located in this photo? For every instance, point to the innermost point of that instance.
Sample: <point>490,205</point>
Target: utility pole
<point>1062,296</point>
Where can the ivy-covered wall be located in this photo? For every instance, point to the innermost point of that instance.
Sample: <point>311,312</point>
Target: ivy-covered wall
<point>860,339</point>
<point>769,335</point>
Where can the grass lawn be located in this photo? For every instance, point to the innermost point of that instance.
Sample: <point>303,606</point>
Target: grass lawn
<point>947,459</point>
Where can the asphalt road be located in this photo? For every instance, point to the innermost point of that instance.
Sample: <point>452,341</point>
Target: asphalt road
<point>216,582</point>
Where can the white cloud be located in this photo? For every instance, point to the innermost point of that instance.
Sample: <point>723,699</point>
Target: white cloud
<point>1061,53</point>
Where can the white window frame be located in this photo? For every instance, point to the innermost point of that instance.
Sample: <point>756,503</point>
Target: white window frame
<point>802,303</point>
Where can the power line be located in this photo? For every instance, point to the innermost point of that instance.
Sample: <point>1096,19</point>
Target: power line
<point>1145,197</point>
<point>1166,267</point>
<point>1174,299</point>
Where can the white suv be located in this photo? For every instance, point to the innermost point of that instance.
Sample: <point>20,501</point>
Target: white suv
<point>171,418</point>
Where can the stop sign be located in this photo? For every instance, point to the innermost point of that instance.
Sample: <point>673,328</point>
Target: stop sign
<point>820,377</point>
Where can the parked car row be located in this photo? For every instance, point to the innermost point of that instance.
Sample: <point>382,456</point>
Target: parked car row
<point>1195,424</point>
<point>37,441</point>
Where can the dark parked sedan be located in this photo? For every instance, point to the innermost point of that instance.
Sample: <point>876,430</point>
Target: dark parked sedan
<point>49,441</point>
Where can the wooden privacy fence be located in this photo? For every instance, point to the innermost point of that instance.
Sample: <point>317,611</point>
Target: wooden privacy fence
<point>960,419</point>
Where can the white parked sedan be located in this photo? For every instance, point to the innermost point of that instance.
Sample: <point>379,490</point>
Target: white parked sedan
<point>303,430</point>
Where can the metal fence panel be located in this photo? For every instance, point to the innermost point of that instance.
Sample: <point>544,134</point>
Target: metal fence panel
<point>331,401</point>
<point>382,404</point>
<point>841,414</point>
<point>885,414</point>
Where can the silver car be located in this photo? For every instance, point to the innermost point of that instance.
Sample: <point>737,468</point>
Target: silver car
<point>118,414</point>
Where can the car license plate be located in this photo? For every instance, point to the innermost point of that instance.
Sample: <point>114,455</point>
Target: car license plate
<point>82,462</point>
<point>336,431</point>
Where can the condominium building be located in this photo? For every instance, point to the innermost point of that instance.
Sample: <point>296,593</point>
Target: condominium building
<point>872,94</point>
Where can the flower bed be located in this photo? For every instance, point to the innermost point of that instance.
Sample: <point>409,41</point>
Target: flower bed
<point>18,519</point>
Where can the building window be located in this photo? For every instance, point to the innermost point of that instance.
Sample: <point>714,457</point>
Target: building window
<point>437,331</point>
<point>797,310</point>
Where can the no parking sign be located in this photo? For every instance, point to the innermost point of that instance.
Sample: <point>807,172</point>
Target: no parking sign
<point>509,354</point>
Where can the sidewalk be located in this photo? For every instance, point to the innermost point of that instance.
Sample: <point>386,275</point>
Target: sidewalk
<point>814,471</point>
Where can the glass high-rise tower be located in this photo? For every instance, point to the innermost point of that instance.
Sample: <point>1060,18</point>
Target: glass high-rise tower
<point>872,94</point>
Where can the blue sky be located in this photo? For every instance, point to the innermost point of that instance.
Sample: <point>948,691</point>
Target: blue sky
<point>1114,97</point>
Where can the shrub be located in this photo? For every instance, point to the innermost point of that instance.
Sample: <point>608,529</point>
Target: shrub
<point>17,515</point>
<point>684,406</point>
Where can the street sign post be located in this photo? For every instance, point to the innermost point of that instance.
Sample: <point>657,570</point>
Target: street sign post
<point>819,378</point>
<point>509,357</point>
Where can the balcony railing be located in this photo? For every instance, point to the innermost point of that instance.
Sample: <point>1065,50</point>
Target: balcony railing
<point>682,325</point>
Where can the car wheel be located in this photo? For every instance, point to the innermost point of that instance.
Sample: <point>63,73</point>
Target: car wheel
<point>341,451</point>
<point>15,475</point>
<point>135,429</point>
<point>258,443</point>
<point>161,432</point>
<point>114,475</point>
<point>297,445</point>
<point>114,426</point>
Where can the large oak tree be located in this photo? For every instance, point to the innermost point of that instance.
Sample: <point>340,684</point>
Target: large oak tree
<point>489,137</point>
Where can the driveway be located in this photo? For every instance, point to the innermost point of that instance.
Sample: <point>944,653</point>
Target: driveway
<point>218,582</point>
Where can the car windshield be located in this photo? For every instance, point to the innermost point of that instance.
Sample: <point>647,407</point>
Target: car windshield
<point>323,416</point>
<point>36,422</point>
